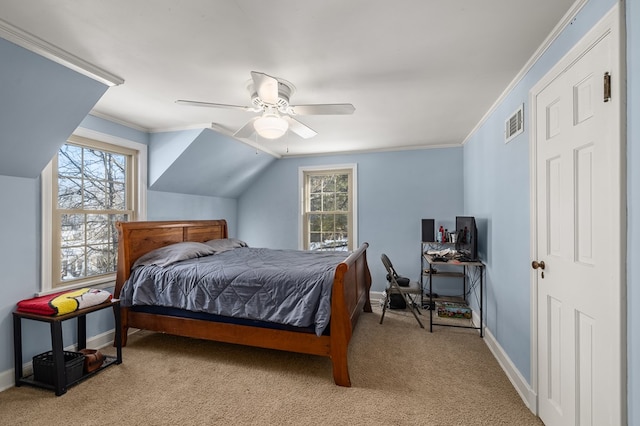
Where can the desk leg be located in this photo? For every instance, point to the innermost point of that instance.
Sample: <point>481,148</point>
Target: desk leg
<point>431,305</point>
<point>118,336</point>
<point>82,332</point>
<point>464,284</point>
<point>17,349</point>
<point>58,358</point>
<point>481,299</point>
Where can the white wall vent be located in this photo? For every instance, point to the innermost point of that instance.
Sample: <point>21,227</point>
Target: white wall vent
<point>514,124</point>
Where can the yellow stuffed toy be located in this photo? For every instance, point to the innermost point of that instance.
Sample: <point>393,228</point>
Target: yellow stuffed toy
<point>78,299</point>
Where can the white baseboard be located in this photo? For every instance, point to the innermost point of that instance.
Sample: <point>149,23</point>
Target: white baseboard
<point>523,388</point>
<point>7,378</point>
<point>376,296</point>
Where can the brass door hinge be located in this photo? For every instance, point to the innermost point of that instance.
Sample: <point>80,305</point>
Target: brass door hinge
<point>607,87</point>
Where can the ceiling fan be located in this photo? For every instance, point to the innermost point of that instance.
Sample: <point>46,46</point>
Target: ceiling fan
<point>270,97</point>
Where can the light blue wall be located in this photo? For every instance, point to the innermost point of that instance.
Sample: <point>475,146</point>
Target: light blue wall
<point>395,191</point>
<point>172,206</point>
<point>496,187</point>
<point>165,147</point>
<point>19,257</point>
<point>41,102</point>
<point>114,129</point>
<point>203,162</point>
<point>633,208</point>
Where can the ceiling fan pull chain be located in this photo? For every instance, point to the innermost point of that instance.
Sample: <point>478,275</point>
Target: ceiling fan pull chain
<point>256,138</point>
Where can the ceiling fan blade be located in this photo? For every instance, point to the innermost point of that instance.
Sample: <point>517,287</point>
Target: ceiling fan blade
<point>266,87</point>
<point>247,130</point>
<point>322,109</point>
<point>300,129</point>
<point>212,105</point>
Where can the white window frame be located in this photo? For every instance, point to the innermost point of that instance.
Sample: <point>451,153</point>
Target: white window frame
<point>353,168</point>
<point>47,195</point>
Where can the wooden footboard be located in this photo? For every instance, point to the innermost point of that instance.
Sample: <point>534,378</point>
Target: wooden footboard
<point>350,296</point>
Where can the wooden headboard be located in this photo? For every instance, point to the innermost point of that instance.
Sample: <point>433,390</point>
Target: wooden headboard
<point>138,238</point>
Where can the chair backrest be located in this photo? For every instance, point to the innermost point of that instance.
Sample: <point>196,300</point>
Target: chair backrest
<point>391,272</point>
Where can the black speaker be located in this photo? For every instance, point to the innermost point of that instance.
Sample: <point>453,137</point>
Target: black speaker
<point>428,230</point>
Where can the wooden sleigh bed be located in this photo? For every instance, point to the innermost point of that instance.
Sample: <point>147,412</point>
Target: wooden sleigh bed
<point>349,297</point>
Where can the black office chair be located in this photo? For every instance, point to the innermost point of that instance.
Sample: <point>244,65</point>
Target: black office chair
<point>407,291</point>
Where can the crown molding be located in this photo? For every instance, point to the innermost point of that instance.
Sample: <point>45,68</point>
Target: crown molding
<point>43,48</point>
<point>376,150</point>
<point>118,121</point>
<point>181,128</point>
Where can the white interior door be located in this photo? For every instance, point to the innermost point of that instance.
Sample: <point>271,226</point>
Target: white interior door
<point>578,231</point>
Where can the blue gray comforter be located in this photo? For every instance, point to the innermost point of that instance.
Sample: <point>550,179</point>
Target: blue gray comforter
<point>283,286</point>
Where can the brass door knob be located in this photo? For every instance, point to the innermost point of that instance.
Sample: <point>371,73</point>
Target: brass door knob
<point>535,264</point>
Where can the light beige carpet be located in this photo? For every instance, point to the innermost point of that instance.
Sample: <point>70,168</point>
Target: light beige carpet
<point>401,375</point>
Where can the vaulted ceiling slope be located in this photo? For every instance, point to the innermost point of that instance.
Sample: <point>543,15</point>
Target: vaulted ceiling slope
<point>41,103</point>
<point>420,73</point>
<point>203,162</point>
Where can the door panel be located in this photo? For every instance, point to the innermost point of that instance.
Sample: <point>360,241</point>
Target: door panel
<point>585,366</point>
<point>584,201</point>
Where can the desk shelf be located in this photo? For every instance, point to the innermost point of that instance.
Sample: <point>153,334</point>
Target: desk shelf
<point>446,274</point>
<point>31,381</point>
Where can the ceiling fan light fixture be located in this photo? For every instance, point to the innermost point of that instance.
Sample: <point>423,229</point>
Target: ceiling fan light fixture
<point>270,96</point>
<point>271,126</point>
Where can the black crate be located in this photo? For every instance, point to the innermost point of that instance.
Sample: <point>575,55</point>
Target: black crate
<point>43,370</point>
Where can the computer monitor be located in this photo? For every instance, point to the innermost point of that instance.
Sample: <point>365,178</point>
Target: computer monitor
<point>467,237</point>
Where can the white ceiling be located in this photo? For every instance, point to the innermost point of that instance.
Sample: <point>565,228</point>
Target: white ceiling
<point>419,72</point>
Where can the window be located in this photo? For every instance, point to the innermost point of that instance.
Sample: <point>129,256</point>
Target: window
<point>328,218</point>
<point>87,188</point>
